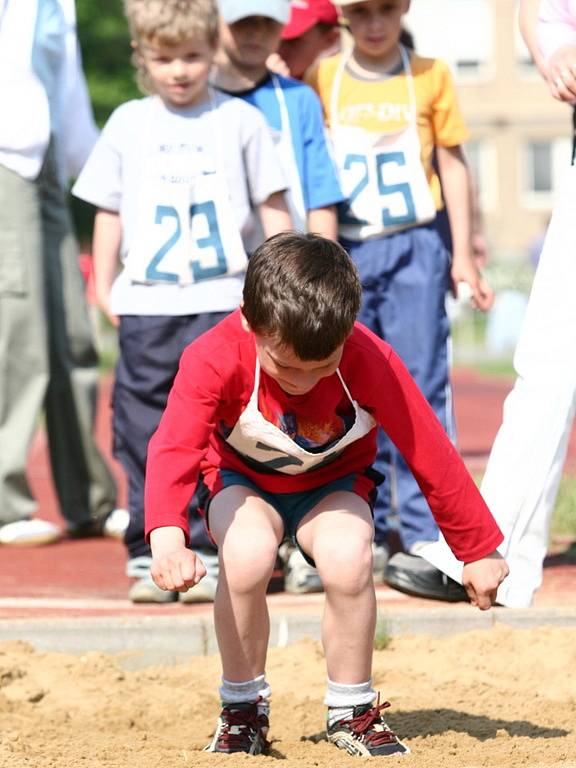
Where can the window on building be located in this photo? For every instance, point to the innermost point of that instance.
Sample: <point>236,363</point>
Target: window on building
<point>468,67</point>
<point>540,166</point>
<point>543,162</point>
<point>458,31</point>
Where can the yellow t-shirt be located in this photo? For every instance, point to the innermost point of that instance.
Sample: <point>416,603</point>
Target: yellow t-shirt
<point>383,106</point>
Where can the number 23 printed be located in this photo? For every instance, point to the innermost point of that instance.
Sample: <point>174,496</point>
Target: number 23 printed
<point>212,240</point>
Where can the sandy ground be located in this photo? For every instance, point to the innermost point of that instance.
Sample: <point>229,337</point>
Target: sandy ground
<point>498,698</point>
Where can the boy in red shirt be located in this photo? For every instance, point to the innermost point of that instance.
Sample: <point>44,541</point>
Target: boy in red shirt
<point>277,407</point>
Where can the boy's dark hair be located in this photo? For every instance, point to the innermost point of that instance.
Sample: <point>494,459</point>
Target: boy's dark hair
<point>407,39</point>
<point>303,290</point>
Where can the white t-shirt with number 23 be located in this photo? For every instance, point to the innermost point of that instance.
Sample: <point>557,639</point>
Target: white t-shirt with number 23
<point>147,150</point>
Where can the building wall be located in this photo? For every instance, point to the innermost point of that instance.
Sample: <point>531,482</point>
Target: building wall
<point>508,109</point>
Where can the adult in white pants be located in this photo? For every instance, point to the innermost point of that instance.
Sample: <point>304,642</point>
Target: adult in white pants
<point>527,458</point>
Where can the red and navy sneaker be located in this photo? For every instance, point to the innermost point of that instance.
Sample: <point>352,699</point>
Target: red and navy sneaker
<point>366,733</point>
<point>241,728</point>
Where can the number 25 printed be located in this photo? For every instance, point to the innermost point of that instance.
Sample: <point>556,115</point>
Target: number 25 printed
<point>211,240</point>
<point>384,190</point>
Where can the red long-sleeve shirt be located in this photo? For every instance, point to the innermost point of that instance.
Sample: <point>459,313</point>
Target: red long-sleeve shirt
<point>213,387</point>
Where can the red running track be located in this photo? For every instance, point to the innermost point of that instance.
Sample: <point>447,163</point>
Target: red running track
<point>87,577</point>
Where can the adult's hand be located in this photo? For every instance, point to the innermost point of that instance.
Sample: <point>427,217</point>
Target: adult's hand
<point>561,74</point>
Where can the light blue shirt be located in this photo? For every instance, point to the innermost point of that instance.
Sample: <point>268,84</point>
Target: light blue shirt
<point>320,185</point>
<point>42,88</point>
<point>48,52</point>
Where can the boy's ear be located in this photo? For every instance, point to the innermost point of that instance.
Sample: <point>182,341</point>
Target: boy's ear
<point>333,36</point>
<point>137,57</point>
<point>245,323</point>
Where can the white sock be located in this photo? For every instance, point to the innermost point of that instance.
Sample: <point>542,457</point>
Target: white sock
<point>341,698</point>
<point>256,690</point>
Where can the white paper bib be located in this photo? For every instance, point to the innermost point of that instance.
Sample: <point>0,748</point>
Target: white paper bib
<point>381,175</point>
<point>258,439</point>
<point>186,229</point>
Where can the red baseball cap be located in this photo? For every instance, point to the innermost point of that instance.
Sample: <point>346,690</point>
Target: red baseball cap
<point>304,14</point>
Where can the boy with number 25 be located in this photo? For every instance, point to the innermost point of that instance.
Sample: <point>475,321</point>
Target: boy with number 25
<point>388,111</point>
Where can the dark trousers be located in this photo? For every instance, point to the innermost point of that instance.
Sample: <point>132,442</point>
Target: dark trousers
<point>405,277</point>
<point>150,350</point>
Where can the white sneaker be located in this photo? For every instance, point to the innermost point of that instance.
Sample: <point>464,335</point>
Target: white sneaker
<point>205,590</point>
<point>144,589</point>
<point>29,533</point>
<point>299,576</point>
<point>380,555</point>
<point>116,524</point>
<point>416,548</point>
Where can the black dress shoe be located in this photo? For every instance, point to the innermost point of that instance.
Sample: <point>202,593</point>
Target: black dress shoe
<point>415,576</point>
<point>91,529</point>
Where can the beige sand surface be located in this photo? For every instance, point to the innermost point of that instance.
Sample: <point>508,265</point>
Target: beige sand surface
<point>498,698</point>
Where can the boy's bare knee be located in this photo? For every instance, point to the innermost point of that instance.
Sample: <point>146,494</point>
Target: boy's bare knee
<point>344,566</point>
<point>248,561</point>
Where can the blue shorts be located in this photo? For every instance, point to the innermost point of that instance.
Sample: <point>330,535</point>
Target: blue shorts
<point>292,507</point>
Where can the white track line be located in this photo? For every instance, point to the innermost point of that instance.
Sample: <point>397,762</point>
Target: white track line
<point>110,604</point>
<point>78,604</point>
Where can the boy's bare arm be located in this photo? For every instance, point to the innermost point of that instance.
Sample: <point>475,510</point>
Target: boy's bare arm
<point>479,244</point>
<point>274,215</point>
<point>174,567</point>
<point>482,578</point>
<point>456,189</point>
<point>324,221</point>
<point>106,251</point>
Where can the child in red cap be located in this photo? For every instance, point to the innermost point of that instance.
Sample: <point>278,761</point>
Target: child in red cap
<point>311,31</point>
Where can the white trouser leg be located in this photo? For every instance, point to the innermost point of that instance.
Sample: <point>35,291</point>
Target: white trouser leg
<point>522,479</point>
<point>525,465</point>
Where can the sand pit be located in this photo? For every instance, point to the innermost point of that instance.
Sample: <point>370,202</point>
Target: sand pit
<point>498,698</point>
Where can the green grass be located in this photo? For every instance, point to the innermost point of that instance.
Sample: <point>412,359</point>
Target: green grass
<point>495,367</point>
<point>469,332</point>
<point>564,517</point>
<point>107,358</point>
<point>563,524</point>
<point>107,345</point>
<point>382,637</point>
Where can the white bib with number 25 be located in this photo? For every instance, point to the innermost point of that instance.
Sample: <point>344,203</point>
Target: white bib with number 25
<point>381,174</point>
